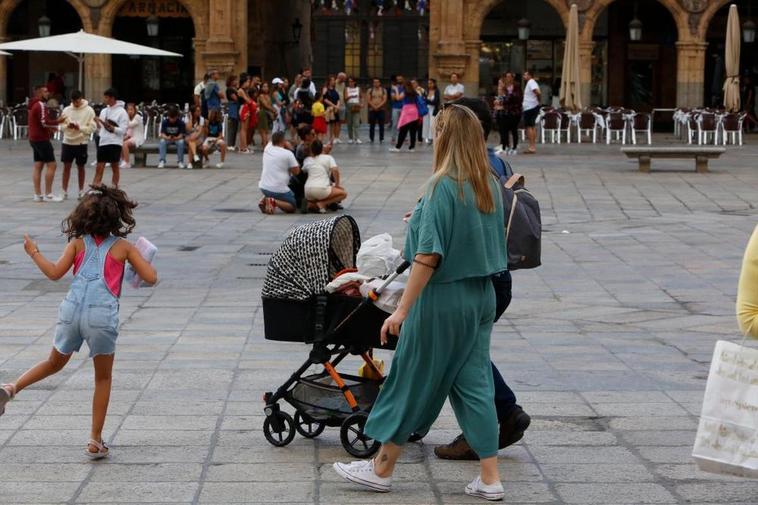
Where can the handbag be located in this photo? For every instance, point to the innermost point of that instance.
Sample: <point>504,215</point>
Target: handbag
<point>727,436</point>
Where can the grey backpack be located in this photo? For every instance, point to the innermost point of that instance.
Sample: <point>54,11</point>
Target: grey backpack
<point>523,224</point>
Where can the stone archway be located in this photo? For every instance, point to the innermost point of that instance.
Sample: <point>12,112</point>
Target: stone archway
<point>7,8</point>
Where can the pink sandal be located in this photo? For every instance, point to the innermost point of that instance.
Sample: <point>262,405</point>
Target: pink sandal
<point>102,449</point>
<point>7,393</point>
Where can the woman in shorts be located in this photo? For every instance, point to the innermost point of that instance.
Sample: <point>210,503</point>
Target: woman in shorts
<point>320,191</point>
<point>213,138</point>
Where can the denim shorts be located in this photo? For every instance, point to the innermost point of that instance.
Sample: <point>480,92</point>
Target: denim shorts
<point>97,324</point>
<point>288,197</point>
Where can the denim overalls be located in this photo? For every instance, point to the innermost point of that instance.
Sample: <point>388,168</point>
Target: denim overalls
<point>89,311</point>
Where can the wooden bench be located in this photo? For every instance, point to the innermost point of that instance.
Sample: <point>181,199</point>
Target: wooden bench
<point>701,155</point>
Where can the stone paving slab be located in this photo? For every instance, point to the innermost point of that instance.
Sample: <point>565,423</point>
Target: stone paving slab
<point>607,345</point>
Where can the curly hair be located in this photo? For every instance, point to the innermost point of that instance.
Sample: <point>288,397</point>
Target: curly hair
<point>103,211</point>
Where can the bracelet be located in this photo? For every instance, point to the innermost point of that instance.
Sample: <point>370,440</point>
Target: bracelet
<point>427,265</point>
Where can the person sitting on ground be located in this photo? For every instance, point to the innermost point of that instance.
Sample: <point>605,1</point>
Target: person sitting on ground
<point>213,138</point>
<point>278,165</point>
<point>322,169</point>
<point>173,129</point>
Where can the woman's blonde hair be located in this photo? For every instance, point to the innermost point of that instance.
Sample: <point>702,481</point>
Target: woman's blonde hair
<point>460,153</point>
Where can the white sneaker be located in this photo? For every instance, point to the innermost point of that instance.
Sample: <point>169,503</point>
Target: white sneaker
<point>411,149</point>
<point>123,164</point>
<point>362,473</point>
<point>53,198</point>
<point>161,164</point>
<point>196,158</point>
<point>336,141</point>
<point>358,141</point>
<point>499,148</point>
<point>181,165</point>
<point>38,198</point>
<point>64,195</point>
<point>513,152</point>
<point>491,492</point>
<point>93,164</point>
<point>220,165</point>
<point>350,141</point>
<point>394,150</point>
<point>81,194</point>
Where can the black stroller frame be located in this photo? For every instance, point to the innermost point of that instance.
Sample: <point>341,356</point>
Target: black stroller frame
<point>328,398</point>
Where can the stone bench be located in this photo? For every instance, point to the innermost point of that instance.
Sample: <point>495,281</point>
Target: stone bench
<point>140,153</point>
<point>700,154</point>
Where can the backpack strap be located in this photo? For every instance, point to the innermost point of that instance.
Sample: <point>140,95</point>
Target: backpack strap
<point>513,180</point>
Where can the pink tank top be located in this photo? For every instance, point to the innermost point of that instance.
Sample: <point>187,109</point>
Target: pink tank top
<point>114,269</point>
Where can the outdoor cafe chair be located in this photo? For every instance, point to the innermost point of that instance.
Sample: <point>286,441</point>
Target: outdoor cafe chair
<point>707,128</point>
<point>564,126</point>
<point>641,122</point>
<point>586,124</point>
<point>20,124</point>
<point>3,121</point>
<point>731,128</point>
<point>550,123</point>
<point>615,124</point>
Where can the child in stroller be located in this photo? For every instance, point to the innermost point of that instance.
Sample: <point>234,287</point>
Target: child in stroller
<point>297,309</point>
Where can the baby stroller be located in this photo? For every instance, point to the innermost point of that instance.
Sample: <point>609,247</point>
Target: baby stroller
<point>296,308</point>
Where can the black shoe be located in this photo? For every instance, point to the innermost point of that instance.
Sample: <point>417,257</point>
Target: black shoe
<point>512,428</point>
<point>335,207</point>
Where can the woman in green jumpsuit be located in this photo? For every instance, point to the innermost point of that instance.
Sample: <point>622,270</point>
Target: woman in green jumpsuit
<point>456,241</point>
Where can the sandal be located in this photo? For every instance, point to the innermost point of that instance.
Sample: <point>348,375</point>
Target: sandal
<point>7,392</point>
<point>102,449</point>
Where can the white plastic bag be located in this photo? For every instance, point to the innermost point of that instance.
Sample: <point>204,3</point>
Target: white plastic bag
<point>147,250</point>
<point>377,257</point>
<point>727,437</point>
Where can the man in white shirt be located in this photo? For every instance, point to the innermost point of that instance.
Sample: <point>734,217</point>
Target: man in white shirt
<point>113,123</point>
<point>454,90</point>
<point>279,164</point>
<point>531,108</point>
<point>199,89</point>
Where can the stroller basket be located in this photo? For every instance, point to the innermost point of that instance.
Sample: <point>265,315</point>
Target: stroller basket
<point>321,399</point>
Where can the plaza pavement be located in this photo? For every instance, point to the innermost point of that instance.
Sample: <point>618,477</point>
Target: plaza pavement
<point>607,344</point>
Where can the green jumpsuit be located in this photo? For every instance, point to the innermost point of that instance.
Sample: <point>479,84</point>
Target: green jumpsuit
<point>444,346</point>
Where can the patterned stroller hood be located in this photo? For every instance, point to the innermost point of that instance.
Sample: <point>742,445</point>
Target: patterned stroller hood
<point>310,257</point>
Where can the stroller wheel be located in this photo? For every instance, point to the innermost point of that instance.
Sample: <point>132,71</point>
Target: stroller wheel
<point>275,436</point>
<point>353,440</point>
<point>307,426</point>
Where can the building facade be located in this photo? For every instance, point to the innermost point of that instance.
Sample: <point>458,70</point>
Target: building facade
<point>677,61</point>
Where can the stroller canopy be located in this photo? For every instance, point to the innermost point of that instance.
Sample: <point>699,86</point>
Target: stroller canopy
<point>310,257</point>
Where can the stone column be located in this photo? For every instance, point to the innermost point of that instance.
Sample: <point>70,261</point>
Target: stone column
<point>97,76</point>
<point>471,74</point>
<point>585,70</point>
<point>446,45</point>
<point>220,50</point>
<point>690,64</point>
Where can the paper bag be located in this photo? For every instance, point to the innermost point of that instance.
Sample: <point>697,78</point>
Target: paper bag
<point>727,437</point>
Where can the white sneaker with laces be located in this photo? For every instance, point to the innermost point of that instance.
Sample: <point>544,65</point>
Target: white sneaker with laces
<point>53,198</point>
<point>38,198</point>
<point>161,164</point>
<point>490,492</point>
<point>362,473</point>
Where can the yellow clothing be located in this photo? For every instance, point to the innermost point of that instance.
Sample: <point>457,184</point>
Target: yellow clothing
<point>747,292</point>
<point>318,109</point>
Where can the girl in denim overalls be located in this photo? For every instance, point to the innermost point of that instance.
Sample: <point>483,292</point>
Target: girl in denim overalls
<point>90,310</point>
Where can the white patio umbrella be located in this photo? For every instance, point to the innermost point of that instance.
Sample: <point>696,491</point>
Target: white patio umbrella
<point>80,43</point>
<point>571,92</point>
<point>732,61</point>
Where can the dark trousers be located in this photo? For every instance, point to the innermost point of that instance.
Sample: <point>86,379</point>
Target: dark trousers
<point>376,117</point>
<point>505,399</point>
<point>508,124</point>
<point>410,128</point>
<point>231,132</point>
<point>420,129</point>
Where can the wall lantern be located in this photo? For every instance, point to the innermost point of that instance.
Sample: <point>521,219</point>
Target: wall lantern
<point>153,24</point>
<point>748,31</point>
<point>44,26</point>
<point>524,26</point>
<point>635,27</point>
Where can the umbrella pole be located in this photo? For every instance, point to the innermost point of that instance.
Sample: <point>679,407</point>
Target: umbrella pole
<point>81,73</point>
